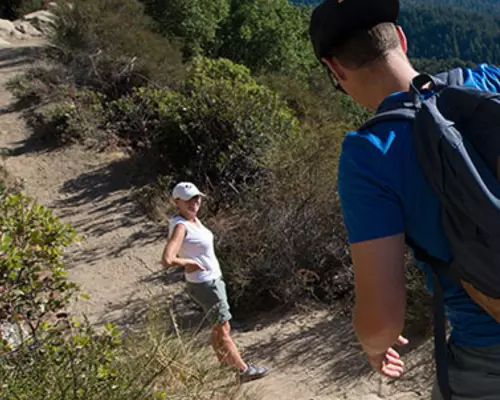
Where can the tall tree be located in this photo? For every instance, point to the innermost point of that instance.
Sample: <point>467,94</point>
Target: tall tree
<point>267,35</point>
<point>194,22</point>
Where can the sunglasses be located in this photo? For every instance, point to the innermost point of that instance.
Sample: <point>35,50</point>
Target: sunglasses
<point>337,86</point>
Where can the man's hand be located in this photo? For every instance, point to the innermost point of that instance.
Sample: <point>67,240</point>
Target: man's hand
<point>193,266</point>
<point>389,363</point>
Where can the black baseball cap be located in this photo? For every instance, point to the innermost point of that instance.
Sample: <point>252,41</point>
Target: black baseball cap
<point>335,21</point>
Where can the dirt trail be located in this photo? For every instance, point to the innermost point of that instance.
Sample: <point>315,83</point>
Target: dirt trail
<point>313,354</point>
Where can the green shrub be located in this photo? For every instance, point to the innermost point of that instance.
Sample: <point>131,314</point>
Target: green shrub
<point>109,46</point>
<point>77,117</point>
<point>71,359</point>
<point>267,36</point>
<point>32,272</point>
<point>216,131</point>
<point>40,84</point>
<point>194,22</point>
<point>287,241</point>
<point>141,116</point>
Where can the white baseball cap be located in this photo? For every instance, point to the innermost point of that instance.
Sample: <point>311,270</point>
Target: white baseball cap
<point>186,191</point>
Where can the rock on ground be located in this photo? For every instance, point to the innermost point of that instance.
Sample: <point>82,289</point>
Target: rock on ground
<point>28,29</point>
<point>42,20</point>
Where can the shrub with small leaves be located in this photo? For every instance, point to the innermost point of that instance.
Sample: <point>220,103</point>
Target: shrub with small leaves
<point>142,115</point>
<point>224,129</point>
<point>78,117</point>
<point>42,83</point>
<point>109,46</point>
<point>68,358</point>
<point>33,284</point>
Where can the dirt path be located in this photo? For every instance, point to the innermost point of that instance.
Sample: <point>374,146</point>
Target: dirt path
<point>313,354</point>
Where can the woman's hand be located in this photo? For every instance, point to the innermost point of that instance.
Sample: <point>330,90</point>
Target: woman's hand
<point>192,266</point>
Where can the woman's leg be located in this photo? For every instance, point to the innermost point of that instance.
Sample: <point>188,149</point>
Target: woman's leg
<point>224,347</point>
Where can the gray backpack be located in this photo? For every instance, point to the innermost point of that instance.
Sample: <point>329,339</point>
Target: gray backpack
<point>456,133</point>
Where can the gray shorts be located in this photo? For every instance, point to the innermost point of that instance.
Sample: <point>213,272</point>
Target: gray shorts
<point>212,297</point>
<point>474,373</point>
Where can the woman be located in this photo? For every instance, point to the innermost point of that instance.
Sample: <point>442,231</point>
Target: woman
<point>191,246</point>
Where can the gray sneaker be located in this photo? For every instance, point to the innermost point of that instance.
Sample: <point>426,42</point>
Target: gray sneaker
<point>253,372</point>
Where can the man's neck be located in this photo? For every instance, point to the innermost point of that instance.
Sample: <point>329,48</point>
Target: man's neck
<point>392,76</point>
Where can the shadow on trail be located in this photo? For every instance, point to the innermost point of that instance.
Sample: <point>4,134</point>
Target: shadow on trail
<point>331,352</point>
<point>18,56</point>
<point>37,142</point>
<point>134,312</point>
<point>101,202</point>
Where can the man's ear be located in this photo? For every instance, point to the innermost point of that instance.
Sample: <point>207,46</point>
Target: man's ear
<point>402,39</point>
<point>334,66</point>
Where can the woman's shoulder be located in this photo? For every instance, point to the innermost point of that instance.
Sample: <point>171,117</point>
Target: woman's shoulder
<point>175,220</point>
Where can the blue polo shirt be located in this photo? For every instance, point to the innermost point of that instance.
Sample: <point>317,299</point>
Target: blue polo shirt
<point>383,192</point>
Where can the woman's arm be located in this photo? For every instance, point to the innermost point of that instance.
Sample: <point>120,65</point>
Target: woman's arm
<point>169,257</point>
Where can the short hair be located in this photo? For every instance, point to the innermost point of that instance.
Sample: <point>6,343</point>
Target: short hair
<point>367,47</point>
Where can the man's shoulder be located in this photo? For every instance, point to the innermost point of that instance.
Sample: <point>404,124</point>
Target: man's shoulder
<point>378,140</point>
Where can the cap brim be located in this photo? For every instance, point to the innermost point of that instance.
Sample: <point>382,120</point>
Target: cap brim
<point>193,195</point>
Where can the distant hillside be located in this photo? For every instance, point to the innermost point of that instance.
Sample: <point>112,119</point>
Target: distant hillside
<point>440,32</point>
<point>451,33</point>
<point>483,6</point>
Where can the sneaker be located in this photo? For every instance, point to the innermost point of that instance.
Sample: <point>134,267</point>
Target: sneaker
<point>253,372</point>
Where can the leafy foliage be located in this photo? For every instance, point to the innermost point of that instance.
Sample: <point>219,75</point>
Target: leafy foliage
<point>286,242</point>
<point>448,33</point>
<point>108,45</point>
<point>267,36</point>
<point>77,117</point>
<point>70,358</point>
<point>32,271</point>
<point>215,131</point>
<point>195,22</point>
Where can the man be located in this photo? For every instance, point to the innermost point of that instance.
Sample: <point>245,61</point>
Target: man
<point>384,195</point>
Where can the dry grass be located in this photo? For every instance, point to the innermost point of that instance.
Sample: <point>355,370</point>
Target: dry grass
<point>189,368</point>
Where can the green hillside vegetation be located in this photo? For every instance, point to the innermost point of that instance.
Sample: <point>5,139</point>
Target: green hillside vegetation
<point>436,32</point>
<point>482,6</point>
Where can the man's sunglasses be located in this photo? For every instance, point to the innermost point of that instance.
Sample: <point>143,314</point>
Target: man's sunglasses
<point>335,84</point>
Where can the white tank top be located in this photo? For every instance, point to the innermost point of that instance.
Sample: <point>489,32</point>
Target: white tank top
<point>198,245</point>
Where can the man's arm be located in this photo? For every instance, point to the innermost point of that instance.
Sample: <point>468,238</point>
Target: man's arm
<point>380,292</point>
<point>370,177</point>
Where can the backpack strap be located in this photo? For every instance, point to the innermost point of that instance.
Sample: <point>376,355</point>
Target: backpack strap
<point>440,345</point>
<point>439,318</point>
<point>404,112</point>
